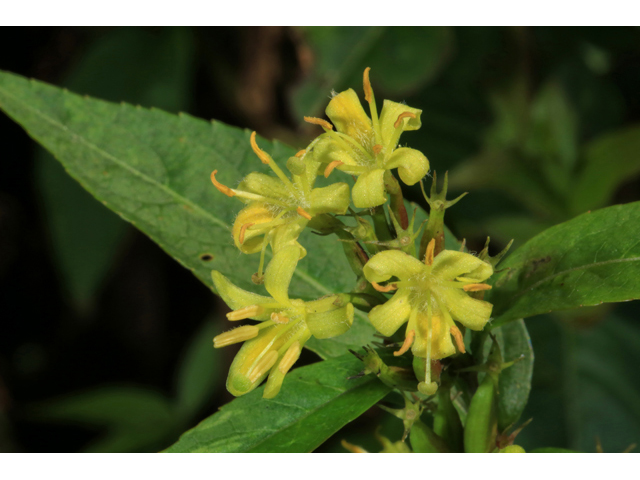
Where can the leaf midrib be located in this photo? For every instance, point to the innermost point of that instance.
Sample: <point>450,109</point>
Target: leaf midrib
<point>303,275</point>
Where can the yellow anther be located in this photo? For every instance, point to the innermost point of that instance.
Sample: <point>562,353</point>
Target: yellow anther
<point>353,448</point>
<point>388,288</point>
<point>408,341</point>
<point>368,91</point>
<point>223,188</point>
<point>377,149</point>
<point>457,336</point>
<point>290,357</point>
<point>243,229</point>
<point>476,287</point>
<point>263,366</point>
<point>300,153</point>
<point>319,121</point>
<point>331,167</point>
<point>245,312</point>
<point>428,256</point>
<point>236,335</point>
<point>302,213</point>
<point>403,115</point>
<point>279,318</point>
<point>262,155</point>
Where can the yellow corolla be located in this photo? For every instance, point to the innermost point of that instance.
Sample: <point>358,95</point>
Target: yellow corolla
<point>273,346</point>
<point>368,147</point>
<point>279,208</point>
<point>431,297</point>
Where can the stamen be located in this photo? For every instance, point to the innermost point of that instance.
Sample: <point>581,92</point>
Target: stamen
<point>428,256</point>
<point>300,153</point>
<point>401,116</point>
<point>289,358</point>
<point>319,121</point>
<point>223,188</point>
<point>279,318</point>
<point>331,167</point>
<point>408,341</point>
<point>388,288</point>
<point>377,149</point>
<point>476,287</point>
<point>263,366</point>
<point>457,336</point>
<point>262,155</point>
<point>243,229</point>
<point>245,312</point>
<point>302,213</point>
<point>368,91</point>
<point>236,335</point>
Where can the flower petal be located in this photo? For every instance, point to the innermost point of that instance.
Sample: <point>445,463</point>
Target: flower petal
<point>412,165</point>
<point>278,274</point>
<point>330,323</point>
<point>369,191</point>
<point>287,235</point>
<point>270,339</point>
<point>332,199</point>
<point>392,263</point>
<point>347,114</point>
<point>441,342</point>
<point>327,149</point>
<point>470,312</point>
<point>389,317</point>
<point>265,185</point>
<point>254,214</point>
<point>389,115</point>
<point>237,298</point>
<point>449,264</point>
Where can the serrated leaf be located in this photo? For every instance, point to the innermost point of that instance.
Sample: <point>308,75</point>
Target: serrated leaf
<point>592,259</point>
<point>153,169</point>
<point>315,402</point>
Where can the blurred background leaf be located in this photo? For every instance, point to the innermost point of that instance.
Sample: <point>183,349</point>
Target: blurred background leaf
<point>130,65</point>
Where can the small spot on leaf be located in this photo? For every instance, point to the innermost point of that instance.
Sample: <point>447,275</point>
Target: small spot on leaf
<point>206,257</point>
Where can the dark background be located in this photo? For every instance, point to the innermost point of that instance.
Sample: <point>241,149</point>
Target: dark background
<point>101,328</point>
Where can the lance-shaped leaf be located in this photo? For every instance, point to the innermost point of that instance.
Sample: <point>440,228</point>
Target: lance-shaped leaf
<point>592,259</point>
<point>153,169</point>
<point>314,403</point>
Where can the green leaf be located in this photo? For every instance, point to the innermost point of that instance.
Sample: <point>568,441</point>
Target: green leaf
<point>153,169</point>
<point>592,259</point>
<point>133,417</point>
<point>315,402</point>
<point>401,60</point>
<point>609,160</point>
<point>515,381</point>
<point>200,372</point>
<point>126,64</point>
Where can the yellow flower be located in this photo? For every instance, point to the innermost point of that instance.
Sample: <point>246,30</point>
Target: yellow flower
<point>279,208</point>
<point>367,147</point>
<point>431,297</point>
<point>273,346</point>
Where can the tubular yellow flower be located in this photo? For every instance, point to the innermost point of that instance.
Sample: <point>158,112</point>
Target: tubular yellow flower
<point>280,207</point>
<point>430,298</point>
<point>273,346</point>
<point>367,147</point>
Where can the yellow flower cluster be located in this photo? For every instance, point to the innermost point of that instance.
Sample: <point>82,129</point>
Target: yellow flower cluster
<point>431,293</point>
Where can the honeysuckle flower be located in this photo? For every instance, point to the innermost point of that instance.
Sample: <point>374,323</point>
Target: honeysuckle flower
<point>368,147</point>
<point>273,346</point>
<point>430,296</point>
<point>279,208</point>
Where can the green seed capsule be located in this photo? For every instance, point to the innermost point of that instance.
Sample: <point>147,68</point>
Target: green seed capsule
<point>481,428</point>
<point>424,440</point>
<point>512,449</point>
<point>446,421</point>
